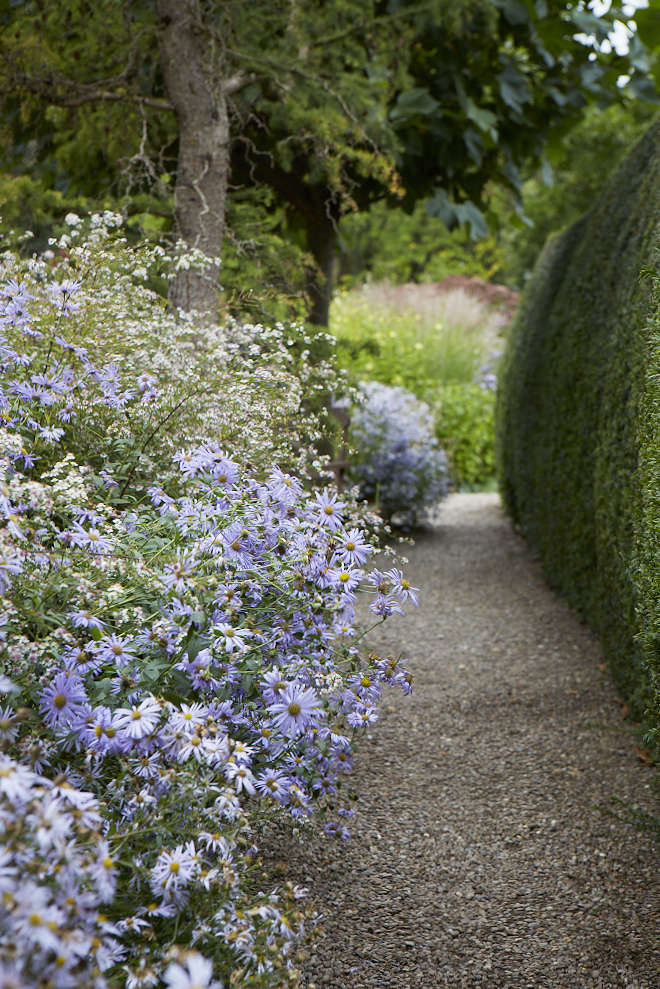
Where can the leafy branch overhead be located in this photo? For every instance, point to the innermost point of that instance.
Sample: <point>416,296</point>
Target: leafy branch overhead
<point>331,106</point>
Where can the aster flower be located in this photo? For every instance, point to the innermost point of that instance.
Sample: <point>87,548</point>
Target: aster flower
<point>230,638</point>
<point>177,575</point>
<point>298,709</point>
<point>174,869</point>
<point>344,578</point>
<point>91,539</point>
<point>16,781</point>
<point>139,720</point>
<point>240,776</point>
<point>283,487</point>
<point>353,549</point>
<point>85,619</point>
<point>195,973</point>
<point>401,586</point>
<point>327,510</point>
<point>9,564</point>
<point>104,872</point>
<point>272,783</point>
<point>115,649</point>
<point>63,702</point>
<point>8,725</point>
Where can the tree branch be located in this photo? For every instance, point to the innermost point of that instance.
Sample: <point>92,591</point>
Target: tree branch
<point>375,23</point>
<point>237,82</point>
<point>67,92</point>
<point>101,96</point>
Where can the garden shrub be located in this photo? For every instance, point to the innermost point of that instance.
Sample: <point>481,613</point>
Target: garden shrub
<point>413,336</point>
<point>464,426</point>
<point>177,651</point>
<point>398,464</point>
<point>577,417</point>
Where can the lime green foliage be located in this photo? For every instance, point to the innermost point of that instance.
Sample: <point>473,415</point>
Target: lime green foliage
<point>434,345</point>
<point>387,244</point>
<point>578,419</point>
<point>464,427</point>
<point>412,336</point>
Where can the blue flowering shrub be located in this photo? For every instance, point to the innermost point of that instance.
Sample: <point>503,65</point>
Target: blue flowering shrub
<point>178,648</point>
<point>399,465</point>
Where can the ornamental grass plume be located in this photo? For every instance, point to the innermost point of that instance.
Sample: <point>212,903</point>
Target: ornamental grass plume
<point>176,646</point>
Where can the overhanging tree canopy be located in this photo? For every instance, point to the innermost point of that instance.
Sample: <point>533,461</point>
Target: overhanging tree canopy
<point>332,104</point>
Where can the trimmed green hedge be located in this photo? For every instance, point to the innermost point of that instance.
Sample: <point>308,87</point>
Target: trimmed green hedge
<point>578,419</point>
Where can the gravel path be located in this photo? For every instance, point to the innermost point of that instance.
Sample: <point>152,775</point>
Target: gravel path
<point>483,853</point>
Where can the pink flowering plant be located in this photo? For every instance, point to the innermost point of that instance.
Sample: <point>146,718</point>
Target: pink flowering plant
<point>179,647</point>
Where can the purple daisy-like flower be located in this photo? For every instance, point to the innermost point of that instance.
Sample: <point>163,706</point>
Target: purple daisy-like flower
<point>328,510</point>
<point>229,638</point>
<point>271,783</point>
<point>90,539</point>
<point>401,587</point>
<point>8,565</point>
<point>345,579</point>
<point>353,550</point>
<point>139,720</point>
<point>85,619</point>
<point>63,702</point>
<point>298,708</point>
<point>178,574</point>
<point>116,649</point>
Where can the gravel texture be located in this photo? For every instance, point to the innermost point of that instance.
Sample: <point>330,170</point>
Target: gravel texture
<point>486,850</point>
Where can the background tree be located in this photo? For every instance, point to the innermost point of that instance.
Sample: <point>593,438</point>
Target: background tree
<point>330,105</point>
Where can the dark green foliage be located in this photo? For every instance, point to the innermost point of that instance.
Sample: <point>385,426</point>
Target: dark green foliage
<point>550,204</point>
<point>384,243</point>
<point>578,416</point>
<point>464,427</point>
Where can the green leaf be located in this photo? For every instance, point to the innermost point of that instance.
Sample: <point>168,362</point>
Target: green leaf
<point>469,213</point>
<point>102,689</point>
<point>643,88</point>
<point>512,175</point>
<point>514,11</point>
<point>440,205</point>
<point>484,119</point>
<point>648,26</point>
<point>547,173</point>
<point>591,74</point>
<point>474,145</point>
<point>413,103</point>
<point>638,54</point>
<point>589,24</point>
<point>514,88</point>
<point>195,645</point>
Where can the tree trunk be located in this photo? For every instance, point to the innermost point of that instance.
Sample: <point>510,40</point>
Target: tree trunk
<point>321,236</point>
<point>196,91</point>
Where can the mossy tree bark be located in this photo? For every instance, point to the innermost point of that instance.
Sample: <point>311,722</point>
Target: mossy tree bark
<point>199,97</point>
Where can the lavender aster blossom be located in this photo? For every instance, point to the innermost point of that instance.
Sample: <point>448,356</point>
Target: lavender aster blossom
<point>140,719</point>
<point>8,565</point>
<point>195,973</point>
<point>328,510</point>
<point>400,465</point>
<point>298,709</point>
<point>63,702</point>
